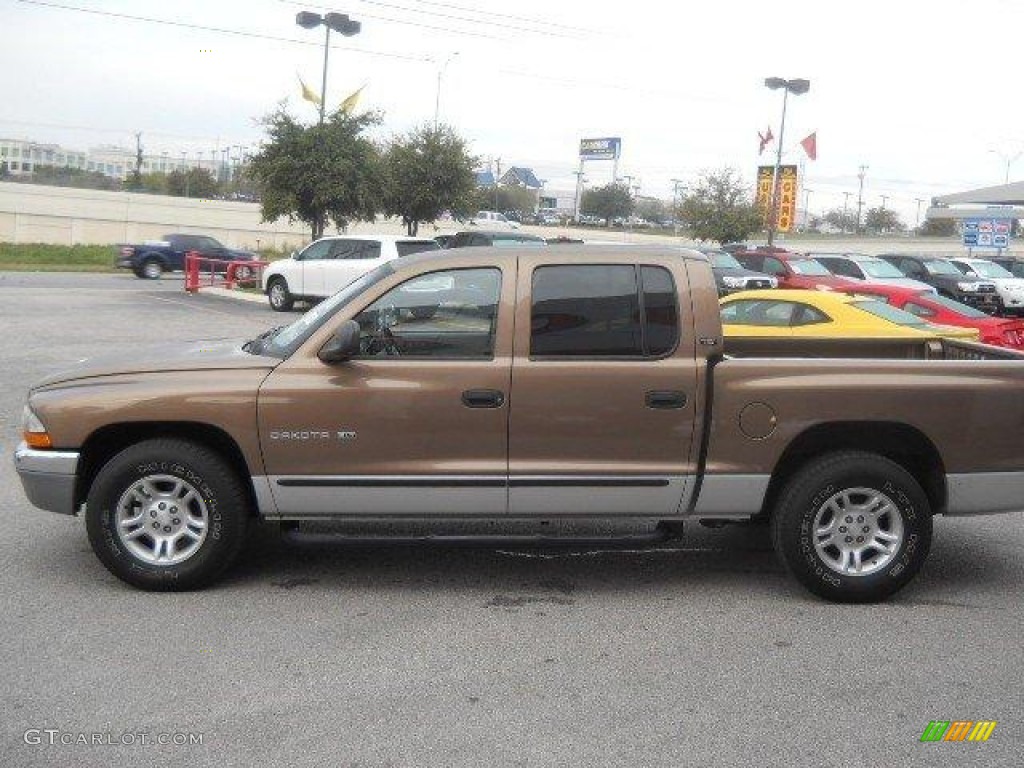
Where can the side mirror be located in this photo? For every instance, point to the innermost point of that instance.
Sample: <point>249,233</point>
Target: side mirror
<point>295,255</point>
<point>344,344</point>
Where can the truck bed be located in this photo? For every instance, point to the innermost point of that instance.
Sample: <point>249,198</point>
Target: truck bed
<point>909,349</point>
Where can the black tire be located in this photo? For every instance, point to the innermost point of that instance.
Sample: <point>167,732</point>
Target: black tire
<point>817,489</point>
<point>150,269</point>
<point>220,498</point>
<point>280,298</point>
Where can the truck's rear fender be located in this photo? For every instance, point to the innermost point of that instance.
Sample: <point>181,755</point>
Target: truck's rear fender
<point>108,441</point>
<point>902,443</point>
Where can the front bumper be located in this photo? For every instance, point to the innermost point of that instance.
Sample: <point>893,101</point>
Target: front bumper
<point>48,478</point>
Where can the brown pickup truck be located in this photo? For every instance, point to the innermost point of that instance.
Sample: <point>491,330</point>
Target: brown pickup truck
<point>528,384</point>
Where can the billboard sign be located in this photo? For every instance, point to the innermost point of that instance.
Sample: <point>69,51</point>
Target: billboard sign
<point>986,233</point>
<point>601,149</point>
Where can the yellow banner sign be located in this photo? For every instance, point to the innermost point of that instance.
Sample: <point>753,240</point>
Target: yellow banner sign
<point>787,198</point>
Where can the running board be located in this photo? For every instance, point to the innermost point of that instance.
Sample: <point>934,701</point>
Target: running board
<point>662,534</point>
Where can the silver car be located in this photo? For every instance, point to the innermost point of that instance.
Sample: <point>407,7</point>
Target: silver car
<point>869,269</point>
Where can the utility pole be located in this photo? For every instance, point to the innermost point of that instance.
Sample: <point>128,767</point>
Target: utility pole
<point>579,192</point>
<point>884,199</point>
<point>846,200</point>
<point>860,197</point>
<point>138,159</point>
<point>917,219</point>
<point>497,176</point>
<point>676,184</point>
<point>807,202</point>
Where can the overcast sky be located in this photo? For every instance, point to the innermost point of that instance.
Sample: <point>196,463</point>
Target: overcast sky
<point>923,93</point>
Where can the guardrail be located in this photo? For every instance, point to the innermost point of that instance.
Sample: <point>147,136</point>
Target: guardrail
<point>206,272</point>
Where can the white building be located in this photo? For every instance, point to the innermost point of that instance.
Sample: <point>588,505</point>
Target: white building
<point>20,157</point>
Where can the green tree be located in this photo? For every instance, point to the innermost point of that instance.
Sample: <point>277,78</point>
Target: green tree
<point>883,220</point>
<point>156,183</point>
<point>938,228</point>
<point>652,209</point>
<point>719,208</point>
<point>316,173</point>
<point>519,199</point>
<point>844,221</point>
<point>426,172</point>
<point>195,182</point>
<point>612,201</point>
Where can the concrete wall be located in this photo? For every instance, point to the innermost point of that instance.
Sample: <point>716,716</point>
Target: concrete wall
<point>31,213</point>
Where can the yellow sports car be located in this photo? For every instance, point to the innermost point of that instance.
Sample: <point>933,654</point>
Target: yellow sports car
<point>825,314</point>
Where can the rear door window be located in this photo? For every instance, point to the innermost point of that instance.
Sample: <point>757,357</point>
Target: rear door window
<point>603,311</point>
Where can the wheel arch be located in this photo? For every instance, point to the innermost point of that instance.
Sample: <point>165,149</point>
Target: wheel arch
<point>108,441</point>
<point>904,444</point>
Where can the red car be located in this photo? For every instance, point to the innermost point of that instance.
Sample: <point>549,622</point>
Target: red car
<point>999,332</point>
<point>794,270</point>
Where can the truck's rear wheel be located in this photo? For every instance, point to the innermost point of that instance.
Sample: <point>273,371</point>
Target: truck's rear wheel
<point>167,515</point>
<point>151,269</point>
<point>853,527</point>
<point>280,298</point>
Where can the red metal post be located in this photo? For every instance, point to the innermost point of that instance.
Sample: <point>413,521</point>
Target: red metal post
<point>192,271</point>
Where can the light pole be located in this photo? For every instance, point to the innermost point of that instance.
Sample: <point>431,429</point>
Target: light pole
<point>917,219</point>
<point>437,95</point>
<point>796,87</point>
<point>1009,160</point>
<point>846,201</point>
<point>807,204</point>
<point>339,22</point>
<point>860,197</point>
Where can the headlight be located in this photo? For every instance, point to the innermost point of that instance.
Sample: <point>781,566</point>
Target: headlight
<point>967,286</point>
<point>734,282</point>
<point>774,282</point>
<point>33,431</point>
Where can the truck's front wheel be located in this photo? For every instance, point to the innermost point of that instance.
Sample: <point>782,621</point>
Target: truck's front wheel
<point>853,527</point>
<point>167,515</point>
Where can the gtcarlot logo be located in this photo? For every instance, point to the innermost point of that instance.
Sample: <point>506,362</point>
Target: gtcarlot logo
<point>958,730</point>
<point>55,737</point>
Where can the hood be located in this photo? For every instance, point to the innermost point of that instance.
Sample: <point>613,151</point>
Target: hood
<point>739,272</point>
<point>184,356</point>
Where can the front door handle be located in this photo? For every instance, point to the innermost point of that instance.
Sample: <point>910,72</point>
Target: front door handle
<point>483,398</point>
<point>665,399</point>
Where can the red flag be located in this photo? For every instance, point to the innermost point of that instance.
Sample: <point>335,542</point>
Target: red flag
<point>810,145</point>
<point>766,139</point>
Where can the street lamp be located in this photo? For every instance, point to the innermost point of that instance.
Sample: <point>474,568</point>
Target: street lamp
<point>796,87</point>
<point>437,97</point>
<point>339,22</point>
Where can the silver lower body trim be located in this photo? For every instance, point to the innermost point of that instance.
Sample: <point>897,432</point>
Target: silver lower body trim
<point>570,496</point>
<point>369,496</point>
<point>48,478</point>
<point>984,493</point>
<point>731,496</point>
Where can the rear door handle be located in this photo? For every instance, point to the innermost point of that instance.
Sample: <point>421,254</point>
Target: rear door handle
<point>483,398</point>
<point>665,399</point>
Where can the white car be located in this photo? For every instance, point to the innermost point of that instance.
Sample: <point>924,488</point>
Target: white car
<point>327,265</point>
<point>493,220</point>
<point>1009,288</point>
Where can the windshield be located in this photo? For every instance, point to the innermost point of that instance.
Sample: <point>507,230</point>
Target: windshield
<point>281,342</point>
<point>880,268</point>
<point>940,267</point>
<point>809,267</point>
<point>893,315</point>
<point>723,260</point>
<point>955,306</point>
<point>988,269</point>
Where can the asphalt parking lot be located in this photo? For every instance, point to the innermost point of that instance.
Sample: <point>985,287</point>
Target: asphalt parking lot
<point>705,653</point>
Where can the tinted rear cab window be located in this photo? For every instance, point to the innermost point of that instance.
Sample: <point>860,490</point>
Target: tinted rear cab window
<point>603,311</point>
